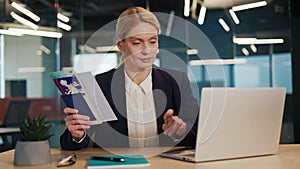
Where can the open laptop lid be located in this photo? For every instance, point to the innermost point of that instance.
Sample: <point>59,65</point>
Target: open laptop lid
<point>236,122</point>
<point>239,122</point>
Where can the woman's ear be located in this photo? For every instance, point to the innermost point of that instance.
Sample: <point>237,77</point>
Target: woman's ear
<point>120,44</point>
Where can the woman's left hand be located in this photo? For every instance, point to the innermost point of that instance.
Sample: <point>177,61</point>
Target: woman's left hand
<point>173,124</point>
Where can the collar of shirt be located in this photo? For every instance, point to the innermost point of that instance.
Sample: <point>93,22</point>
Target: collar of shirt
<point>145,86</point>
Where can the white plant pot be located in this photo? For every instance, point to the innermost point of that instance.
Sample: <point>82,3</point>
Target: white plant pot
<point>32,153</point>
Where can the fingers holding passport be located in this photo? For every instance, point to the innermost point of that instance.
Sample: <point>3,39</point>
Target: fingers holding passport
<point>76,123</point>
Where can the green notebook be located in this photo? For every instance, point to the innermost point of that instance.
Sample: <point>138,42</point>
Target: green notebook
<point>130,160</point>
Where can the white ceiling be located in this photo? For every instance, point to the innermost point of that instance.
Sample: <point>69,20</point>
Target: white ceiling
<point>214,4</point>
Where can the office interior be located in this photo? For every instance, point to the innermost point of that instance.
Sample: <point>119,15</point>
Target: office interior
<point>194,39</point>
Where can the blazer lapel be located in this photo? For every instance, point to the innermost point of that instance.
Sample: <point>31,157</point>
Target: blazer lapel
<point>162,93</point>
<point>119,100</point>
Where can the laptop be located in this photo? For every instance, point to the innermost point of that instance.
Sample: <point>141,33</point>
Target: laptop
<point>235,123</point>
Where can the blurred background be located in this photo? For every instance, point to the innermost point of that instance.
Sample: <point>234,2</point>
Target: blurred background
<point>230,43</point>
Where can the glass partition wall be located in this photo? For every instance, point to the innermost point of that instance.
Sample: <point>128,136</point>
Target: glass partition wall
<point>27,59</point>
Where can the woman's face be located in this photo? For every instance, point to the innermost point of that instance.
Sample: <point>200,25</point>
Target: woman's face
<point>140,47</point>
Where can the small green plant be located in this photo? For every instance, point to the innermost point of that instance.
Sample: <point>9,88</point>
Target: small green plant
<point>35,129</point>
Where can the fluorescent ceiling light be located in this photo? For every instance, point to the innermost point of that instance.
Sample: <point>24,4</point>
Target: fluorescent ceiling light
<point>31,69</point>
<point>67,68</point>
<point>224,25</point>
<point>9,32</point>
<point>170,23</point>
<point>63,17</point>
<point>23,21</point>
<point>37,32</point>
<point>250,41</point>
<point>186,8</point>
<point>253,48</point>
<point>107,48</point>
<point>234,17</point>
<point>245,51</point>
<point>45,49</point>
<point>87,48</point>
<point>192,51</point>
<point>64,26</point>
<point>249,6</point>
<point>202,15</point>
<point>217,62</point>
<point>25,11</point>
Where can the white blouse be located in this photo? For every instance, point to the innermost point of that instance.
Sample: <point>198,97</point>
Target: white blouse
<point>141,115</point>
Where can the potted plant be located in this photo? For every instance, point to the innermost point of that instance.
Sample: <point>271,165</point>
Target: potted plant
<point>33,147</point>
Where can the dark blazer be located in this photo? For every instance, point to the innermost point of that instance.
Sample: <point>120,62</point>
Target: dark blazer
<point>171,90</point>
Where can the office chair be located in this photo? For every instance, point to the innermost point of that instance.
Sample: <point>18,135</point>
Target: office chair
<point>15,115</point>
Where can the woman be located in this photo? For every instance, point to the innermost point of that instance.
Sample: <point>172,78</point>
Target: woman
<point>154,106</point>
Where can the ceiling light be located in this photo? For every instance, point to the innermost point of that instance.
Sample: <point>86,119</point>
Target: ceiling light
<point>202,15</point>
<point>249,6</point>
<point>45,49</point>
<point>87,48</point>
<point>234,17</point>
<point>186,8</point>
<point>9,32</point>
<point>250,41</point>
<point>192,52</point>
<point>25,11</point>
<point>31,69</point>
<point>107,48</point>
<point>224,25</point>
<point>253,48</point>
<point>217,62</point>
<point>37,32</point>
<point>170,23</point>
<point>63,17</point>
<point>245,51</point>
<point>64,26</point>
<point>23,21</point>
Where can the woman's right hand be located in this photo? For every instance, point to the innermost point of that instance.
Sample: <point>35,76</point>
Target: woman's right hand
<point>76,123</point>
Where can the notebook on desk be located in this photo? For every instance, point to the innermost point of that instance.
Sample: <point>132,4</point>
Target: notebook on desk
<point>235,123</point>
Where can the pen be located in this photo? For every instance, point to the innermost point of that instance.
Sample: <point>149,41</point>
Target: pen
<point>118,159</point>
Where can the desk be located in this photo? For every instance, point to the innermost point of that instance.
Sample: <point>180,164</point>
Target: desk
<point>8,130</point>
<point>287,158</point>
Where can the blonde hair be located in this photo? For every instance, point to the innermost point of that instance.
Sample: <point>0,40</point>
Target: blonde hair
<point>133,16</point>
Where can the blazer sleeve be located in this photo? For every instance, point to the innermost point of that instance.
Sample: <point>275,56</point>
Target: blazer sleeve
<point>67,143</point>
<point>188,111</point>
